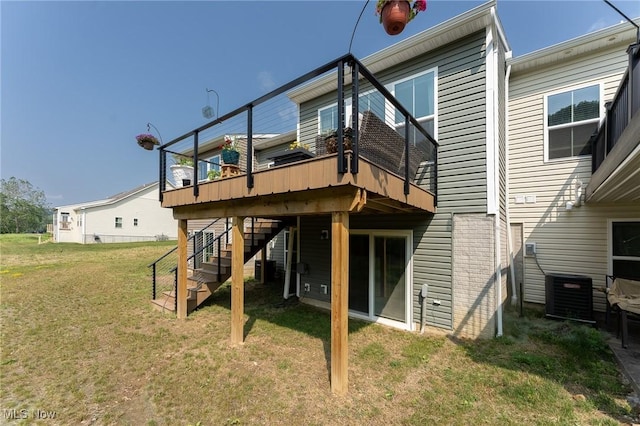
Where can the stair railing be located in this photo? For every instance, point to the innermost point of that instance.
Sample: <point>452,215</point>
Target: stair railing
<point>168,263</point>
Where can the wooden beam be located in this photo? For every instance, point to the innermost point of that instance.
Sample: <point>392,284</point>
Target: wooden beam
<point>237,280</point>
<point>181,294</point>
<point>339,302</point>
<point>291,204</point>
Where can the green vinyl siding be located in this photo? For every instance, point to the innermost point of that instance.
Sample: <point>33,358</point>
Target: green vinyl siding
<point>462,180</point>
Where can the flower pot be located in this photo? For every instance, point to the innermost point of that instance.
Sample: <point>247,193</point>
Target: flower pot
<point>395,15</point>
<point>148,145</point>
<point>182,173</point>
<point>230,157</point>
<point>331,144</point>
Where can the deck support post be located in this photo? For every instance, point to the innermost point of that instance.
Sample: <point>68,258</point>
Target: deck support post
<point>181,294</point>
<point>237,280</point>
<point>263,266</point>
<point>339,302</point>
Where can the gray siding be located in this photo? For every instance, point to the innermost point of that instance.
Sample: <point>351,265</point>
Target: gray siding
<point>462,180</point>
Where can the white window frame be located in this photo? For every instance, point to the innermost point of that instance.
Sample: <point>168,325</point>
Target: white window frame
<point>572,124</point>
<point>408,235</point>
<point>390,112</point>
<point>348,110</point>
<point>135,221</point>
<point>121,222</point>
<point>205,242</point>
<point>610,256</point>
<point>217,158</point>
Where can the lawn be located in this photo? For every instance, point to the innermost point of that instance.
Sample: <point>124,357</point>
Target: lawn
<point>80,341</point>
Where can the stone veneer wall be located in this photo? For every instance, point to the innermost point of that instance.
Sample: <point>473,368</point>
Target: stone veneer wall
<point>474,297</point>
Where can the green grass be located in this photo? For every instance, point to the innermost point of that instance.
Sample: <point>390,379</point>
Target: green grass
<point>80,338</point>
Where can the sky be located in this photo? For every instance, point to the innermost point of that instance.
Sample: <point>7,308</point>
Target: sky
<point>80,79</point>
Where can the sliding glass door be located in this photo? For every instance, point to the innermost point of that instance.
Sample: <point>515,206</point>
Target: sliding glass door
<point>380,276</point>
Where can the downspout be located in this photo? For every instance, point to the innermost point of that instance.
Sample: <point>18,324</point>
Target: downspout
<point>493,151</point>
<point>512,271</point>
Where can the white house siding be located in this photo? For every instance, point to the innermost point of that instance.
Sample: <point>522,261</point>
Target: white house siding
<point>153,220</point>
<point>568,241</point>
<point>95,221</point>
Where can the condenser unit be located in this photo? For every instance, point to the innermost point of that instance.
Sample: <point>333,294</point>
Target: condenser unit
<point>569,297</point>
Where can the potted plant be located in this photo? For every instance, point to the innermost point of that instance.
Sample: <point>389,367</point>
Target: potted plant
<point>297,145</point>
<point>213,174</point>
<point>230,150</point>
<point>331,140</point>
<point>182,170</point>
<point>395,14</point>
<point>147,141</point>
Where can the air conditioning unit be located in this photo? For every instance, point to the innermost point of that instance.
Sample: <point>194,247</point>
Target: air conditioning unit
<point>569,297</point>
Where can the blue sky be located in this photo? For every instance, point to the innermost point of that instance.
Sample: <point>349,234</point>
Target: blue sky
<point>79,80</point>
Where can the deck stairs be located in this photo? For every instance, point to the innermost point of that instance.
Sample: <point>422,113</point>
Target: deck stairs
<point>203,281</point>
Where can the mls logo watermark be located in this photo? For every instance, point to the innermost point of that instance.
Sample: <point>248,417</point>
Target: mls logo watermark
<point>38,414</point>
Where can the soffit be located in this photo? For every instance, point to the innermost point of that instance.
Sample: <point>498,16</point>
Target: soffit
<point>445,33</point>
<point>620,36</point>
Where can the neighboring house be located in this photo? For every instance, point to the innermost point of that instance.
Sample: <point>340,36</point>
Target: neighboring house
<point>557,100</point>
<point>130,216</point>
<point>427,236</point>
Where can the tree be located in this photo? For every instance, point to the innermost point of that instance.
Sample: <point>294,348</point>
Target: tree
<point>23,208</point>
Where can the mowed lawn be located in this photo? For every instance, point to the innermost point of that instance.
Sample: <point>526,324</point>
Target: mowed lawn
<point>80,341</point>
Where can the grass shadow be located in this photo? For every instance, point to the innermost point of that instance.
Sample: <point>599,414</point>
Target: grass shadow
<point>264,302</point>
<point>575,356</point>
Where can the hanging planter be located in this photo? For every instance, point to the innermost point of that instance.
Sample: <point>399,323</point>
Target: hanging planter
<point>147,141</point>
<point>395,14</point>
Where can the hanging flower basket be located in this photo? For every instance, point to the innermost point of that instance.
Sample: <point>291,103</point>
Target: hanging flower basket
<point>230,157</point>
<point>147,141</point>
<point>395,14</point>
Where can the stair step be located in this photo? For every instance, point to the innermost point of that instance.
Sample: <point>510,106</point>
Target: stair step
<point>212,268</point>
<point>190,294</point>
<point>164,304</point>
<point>204,281</point>
<point>206,276</point>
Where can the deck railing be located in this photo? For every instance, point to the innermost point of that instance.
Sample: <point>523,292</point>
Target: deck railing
<point>619,111</point>
<point>348,87</point>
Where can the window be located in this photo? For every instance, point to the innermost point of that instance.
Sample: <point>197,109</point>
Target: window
<point>571,118</point>
<point>118,222</point>
<point>369,101</point>
<point>328,118</point>
<point>208,240</point>
<point>418,95</point>
<point>213,163</point>
<point>625,249</point>
<point>135,221</point>
<point>65,221</point>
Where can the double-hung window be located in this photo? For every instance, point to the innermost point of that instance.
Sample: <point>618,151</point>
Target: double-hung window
<point>368,101</point>
<point>417,94</point>
<point>118,222</point>
<point>571,117</point>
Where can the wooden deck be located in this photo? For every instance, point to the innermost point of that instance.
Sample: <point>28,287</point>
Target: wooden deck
<point>308,187</point>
